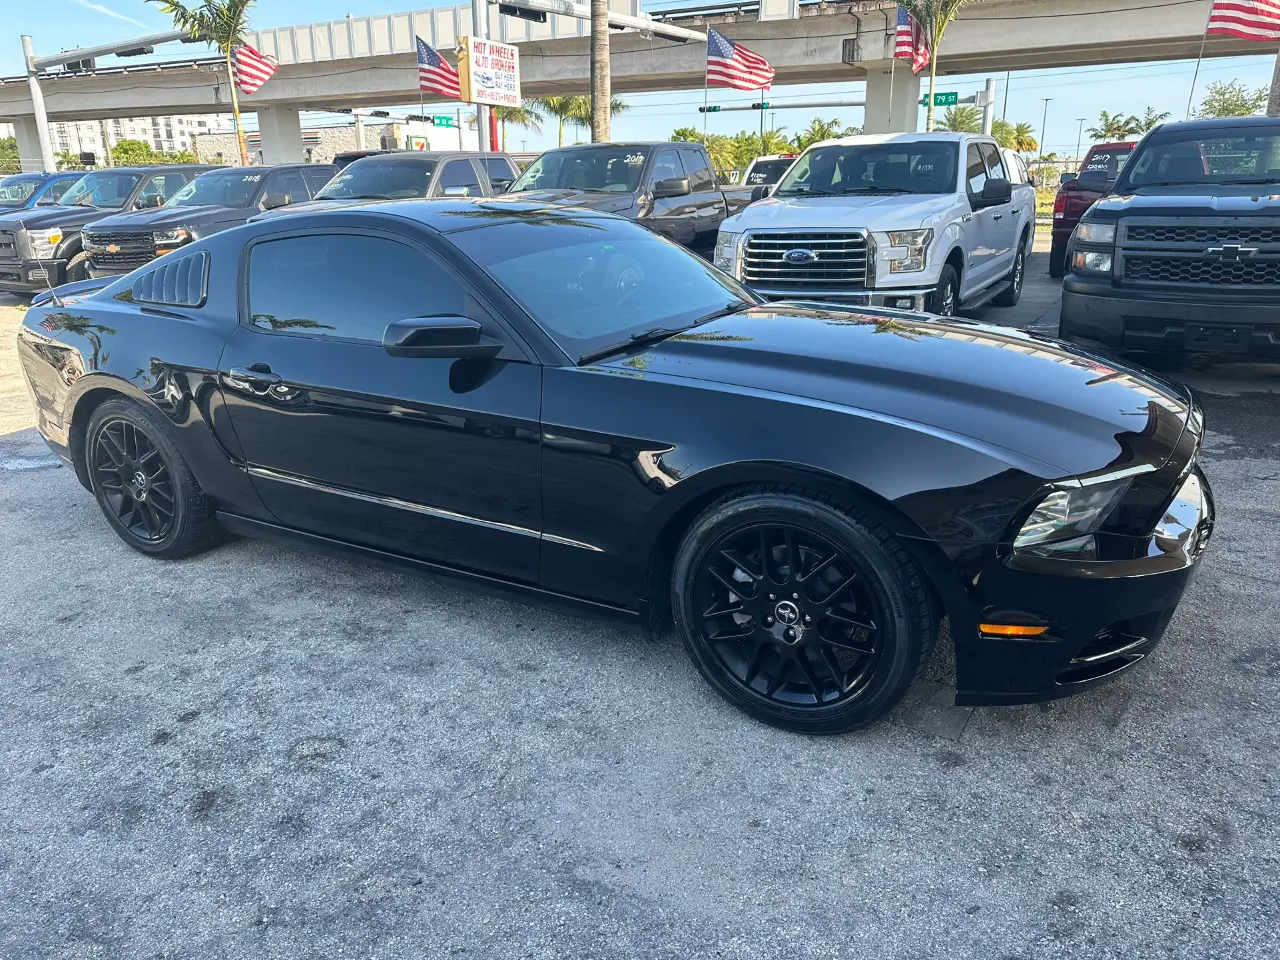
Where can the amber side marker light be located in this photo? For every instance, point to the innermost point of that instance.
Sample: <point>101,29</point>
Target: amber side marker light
<point>1011,630</point>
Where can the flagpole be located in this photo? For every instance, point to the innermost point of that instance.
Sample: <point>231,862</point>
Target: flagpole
<point>892,63</point>
<point>704,108</point>
<point>1204,38</point>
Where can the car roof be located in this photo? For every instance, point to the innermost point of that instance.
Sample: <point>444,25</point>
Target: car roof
<point>624,144</point>
<point>1218,123</point>
<point>158,168</point>
<point>872,138</point>
<point>417,156</point>
<point>448,215</point>
<point>267,167</point>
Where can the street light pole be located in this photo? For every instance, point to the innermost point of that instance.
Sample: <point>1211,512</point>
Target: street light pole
<point>1044,122</point>
<point>37,106</point>
<point>1079,136</point>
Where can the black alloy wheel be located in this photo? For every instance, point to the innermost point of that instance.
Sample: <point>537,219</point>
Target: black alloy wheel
<point>143,485</point>
<point>800,612</point>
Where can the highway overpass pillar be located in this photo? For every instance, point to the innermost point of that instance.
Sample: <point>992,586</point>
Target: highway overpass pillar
<point>281,134</point>
<point>29,154</point>
<point>893,98</point>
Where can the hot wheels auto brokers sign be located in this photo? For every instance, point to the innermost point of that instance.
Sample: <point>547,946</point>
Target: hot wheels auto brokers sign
<point>488,72</point>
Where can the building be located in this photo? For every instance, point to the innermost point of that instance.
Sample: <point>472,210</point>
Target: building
<point>163,134</point>
<point>320,144</point>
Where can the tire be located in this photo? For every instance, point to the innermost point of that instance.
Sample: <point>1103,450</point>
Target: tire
<point>143,485</point>
<point>78,267</point>
<point>819,666</point>
<point>1009,297</point>
<point>946,295</point>
<point>1057,261</point>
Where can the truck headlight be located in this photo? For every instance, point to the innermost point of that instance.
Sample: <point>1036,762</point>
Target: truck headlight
<point>44,243</point>
<point>1095,232</point>
<point>726,255</point>
<point>916,243</point>
<point>1065,519</point>
<point>171,237</point>
<point>1091,261</point>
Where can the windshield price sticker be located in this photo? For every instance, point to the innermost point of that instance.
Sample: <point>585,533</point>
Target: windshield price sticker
<point>251,178</point>
<point>635,158</point>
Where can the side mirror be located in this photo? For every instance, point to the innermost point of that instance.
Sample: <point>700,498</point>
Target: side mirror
<point>671,187</point>
<point>455,191</point>
<point>149,201</point>
<point>274,200</point>
<point>1093,179</point>
<point>1066,178</point>
<point>760,192</point>
<point>996,191</point>
<point>447,336</point>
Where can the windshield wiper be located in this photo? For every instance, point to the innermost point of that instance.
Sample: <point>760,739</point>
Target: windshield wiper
<point>869,188</point>
<point>660,333</point>
<point>800,193</point>
<point>1248,180</point>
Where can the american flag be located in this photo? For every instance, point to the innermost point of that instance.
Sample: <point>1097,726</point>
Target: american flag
<point>251,68</point>
<point>731,64</point>
<point>909,43</point>
<point>1247,19</point>
<point>434,74</point>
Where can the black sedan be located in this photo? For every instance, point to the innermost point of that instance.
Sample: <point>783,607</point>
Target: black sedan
<point>558,403</point>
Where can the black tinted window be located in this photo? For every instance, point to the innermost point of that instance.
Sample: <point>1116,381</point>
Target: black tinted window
<point>666,165</point>
<point>499,169</point>
<point>615,169</point>
<point>376,178</point>
<point>460,173</point>
<point>287,183</point>
<point>699,170</point>
<point>1109,161</point>
<point>316,177</point>
<point>304,285</point>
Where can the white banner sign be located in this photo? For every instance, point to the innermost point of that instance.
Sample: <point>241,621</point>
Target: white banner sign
<point>488,72</point>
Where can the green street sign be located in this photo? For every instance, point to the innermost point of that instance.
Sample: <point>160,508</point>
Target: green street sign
<point>948,99</point>
<point>443,121</point>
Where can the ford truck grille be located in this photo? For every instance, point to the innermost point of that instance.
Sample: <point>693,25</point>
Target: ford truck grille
<point>9,245</point>
<point>830,261</point>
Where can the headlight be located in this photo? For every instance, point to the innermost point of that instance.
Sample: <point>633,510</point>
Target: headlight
<point>1090,261</point>
<point>1096,233</point>
<point>1065,519</point>
<point>916,243</point>
<point>45,242</point>
<point>170,237</point>
<point>726,255</point>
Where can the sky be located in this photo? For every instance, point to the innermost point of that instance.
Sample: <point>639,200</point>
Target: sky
<point>1073,93</point>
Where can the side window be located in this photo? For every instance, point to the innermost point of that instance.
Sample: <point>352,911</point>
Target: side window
<point>57,189</point>
<point>995,165</point>
<point>459,173</point>
<point>699,170</point>
<point>315,178</point>
<point>667,165</point>
<point>302,285</point>
<point>286,182</point>
<point>153,192</point>
<point>975,170</point>
<point>500,172</point>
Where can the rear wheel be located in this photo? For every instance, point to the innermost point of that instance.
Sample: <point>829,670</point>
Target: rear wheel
<point>800,611</point>
<point>946,295</point>
<point>143,485</point>
<point>1057,261</point>
<point>1009,296</point>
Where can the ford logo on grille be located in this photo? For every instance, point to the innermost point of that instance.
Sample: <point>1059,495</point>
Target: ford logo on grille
<point>799,256</point>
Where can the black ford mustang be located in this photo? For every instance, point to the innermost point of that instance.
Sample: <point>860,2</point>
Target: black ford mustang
<point>555,401</point>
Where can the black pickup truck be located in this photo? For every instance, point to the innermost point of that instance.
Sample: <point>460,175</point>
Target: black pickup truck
<point>668,187</point>
<point>1183,252</point>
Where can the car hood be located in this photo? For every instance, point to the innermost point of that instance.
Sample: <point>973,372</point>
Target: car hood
<point>594,199</point>
<point>1040,399</point>
<point>42,217</point>
<point>896,211</point>
<point>310,206</point>
<point>1181,201</point>
<point>146,220</point>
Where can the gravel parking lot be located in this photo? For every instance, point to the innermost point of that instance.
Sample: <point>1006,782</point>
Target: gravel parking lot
<point>264,752</point>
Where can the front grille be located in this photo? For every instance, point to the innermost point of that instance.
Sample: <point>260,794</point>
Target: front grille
<point>9,245</point>
<point>121,239</point>
<point>1204,270</point>
<point>135,249</point>
<point>1226,233</point>
<point>138,258</point>
<point>840,261</point>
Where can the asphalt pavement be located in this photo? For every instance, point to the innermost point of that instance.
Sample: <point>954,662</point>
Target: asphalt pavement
<point>268,753</point>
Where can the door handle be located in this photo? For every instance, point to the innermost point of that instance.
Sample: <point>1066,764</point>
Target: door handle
<point>258,376</point>
<point>998,216</point>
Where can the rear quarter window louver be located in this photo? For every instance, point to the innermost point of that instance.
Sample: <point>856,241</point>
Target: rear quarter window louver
<point>176,281</point>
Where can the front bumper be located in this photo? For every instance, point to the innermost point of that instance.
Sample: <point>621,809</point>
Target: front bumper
<point>31,276</point>
<point>1123,321</point>
<point>906,298</point>
<point>97,272</point>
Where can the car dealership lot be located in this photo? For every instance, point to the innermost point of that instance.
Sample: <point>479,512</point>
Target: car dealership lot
<point>269,752</point>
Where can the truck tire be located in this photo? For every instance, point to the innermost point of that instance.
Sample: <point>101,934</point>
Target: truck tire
<point>78,267</point>
<point>946,295</point>
<point>1057,261</point>
<point>1009,297</point>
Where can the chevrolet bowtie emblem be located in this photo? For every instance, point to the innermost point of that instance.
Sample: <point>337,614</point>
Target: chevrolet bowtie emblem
<point>1231,251</point>
<point>113,248</point>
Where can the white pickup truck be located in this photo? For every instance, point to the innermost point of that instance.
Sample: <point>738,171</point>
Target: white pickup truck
<point>918,221</point>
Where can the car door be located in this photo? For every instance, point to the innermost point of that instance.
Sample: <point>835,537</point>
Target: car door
<point>708,201</point>
<point>458,174</point>
<point>288,184</point>
<point>979,228</point>
<point>1004,219</point>
<point>502,173</point>
<point>673,217</point>
<point>432,458</point>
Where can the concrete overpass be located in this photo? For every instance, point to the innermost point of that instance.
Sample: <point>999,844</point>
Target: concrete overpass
<point>369,61</point>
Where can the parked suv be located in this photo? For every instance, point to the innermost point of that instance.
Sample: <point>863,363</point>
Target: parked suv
<point>42,247</point>
<point>1078,191</point>
<point>211,202</point>
<point>1183,253</point>
<point>918,221</point>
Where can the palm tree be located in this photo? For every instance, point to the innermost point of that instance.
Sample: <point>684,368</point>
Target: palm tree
<point>1114,126</point>
<point>817,131</point>
<point>933,16</point>
<point>222,23</point>
<point>1024,140</point>
<point>575,111</point>
<point>526,117</point>
<point>1150,120</point>
<point>962,120</point>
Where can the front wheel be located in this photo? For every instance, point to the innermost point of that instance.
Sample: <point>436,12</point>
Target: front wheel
<point>801,611</point>
<point>946,295</point>
<point>78,268</point>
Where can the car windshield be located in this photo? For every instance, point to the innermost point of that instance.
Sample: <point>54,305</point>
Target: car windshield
<point>909,166</point>
<point>15,191</point>
<point>376,178</point>
<point>766,172</point>
<point>610,169</point>
<point>107,190</point>
<point>223,188</point>
<point>1246,156</point>
<point>594,283</point>
<point>1107,159</point>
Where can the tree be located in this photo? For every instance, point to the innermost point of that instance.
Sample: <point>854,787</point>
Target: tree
<point>933,16</point>
<point>962,120</point>
<point>1113,126</point>
<point>1231,99</point>
<point>526,117</point>
<point>1024,140</point>
<point>1150,120</point>
<point>222,23</point>
<point>68,161</point>
<point>133,153</point>
<point>9,162</point>
<point>721,149</point>
<point>819,130</point>
<point>601,97</point>
<point>575,111</point>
